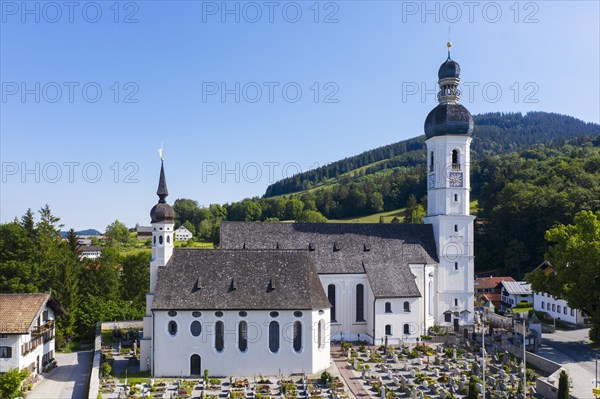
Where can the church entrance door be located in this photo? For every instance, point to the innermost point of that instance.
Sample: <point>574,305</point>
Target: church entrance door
<point>195,365</point>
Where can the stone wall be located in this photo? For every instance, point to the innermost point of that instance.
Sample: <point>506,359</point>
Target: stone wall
<point>124,325</point>
<point>94,379</point>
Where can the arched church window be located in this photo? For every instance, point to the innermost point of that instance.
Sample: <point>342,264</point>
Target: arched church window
<point>154,240</point>
<point>172,327</point>
<point>455,160</point>
<point>297,336</point>
<point>321,334</point>
<point>406,306</point>
<point>431,162</point>
<point>274,337</point>
<point>388,307</point>
<point>168,238</point>
<point>406,328</point>
<point>219,336</point>
<point>388,329</point>
<point>360,302</point>
<point>160,239</point>
<point>331,297</point>
<point>195,328</point>
<point>243,336</point>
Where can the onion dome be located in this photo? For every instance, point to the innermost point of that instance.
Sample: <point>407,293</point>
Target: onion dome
<point>449,117</point>
<point>162,212</point>
<point>449,69</point>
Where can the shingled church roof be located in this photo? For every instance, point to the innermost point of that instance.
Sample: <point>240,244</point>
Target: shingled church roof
<point>239,280</point>
<point>382,251</point>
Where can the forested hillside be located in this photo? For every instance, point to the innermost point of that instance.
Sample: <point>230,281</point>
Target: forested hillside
<point>494,133</point>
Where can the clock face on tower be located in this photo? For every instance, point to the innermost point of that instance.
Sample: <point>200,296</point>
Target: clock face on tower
<point>431,181</point>
<point>455,179</point>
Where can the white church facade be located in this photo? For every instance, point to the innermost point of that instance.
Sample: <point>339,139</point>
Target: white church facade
<point>275,295</point>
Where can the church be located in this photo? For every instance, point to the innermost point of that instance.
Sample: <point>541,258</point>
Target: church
<point>274,296</point>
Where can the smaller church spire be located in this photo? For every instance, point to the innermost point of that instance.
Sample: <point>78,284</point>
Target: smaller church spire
<point>162,191</point>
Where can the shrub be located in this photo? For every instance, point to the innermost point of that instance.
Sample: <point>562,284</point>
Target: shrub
<point>105,369</point>
<point>563,385</point>
<point>522,305</point>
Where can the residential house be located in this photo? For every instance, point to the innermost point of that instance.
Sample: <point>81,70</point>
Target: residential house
<point>513,293</point>
<point>183,234</point>
<point>27,329</point>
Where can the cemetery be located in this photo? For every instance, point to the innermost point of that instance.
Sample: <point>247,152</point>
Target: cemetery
<point>446,369</point>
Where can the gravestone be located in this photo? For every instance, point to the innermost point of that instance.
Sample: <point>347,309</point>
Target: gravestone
<point>389,374</point>
<point>355,363</point>
<point>412,373</point>
<point>434,389</point>
<point>443,394</point>
<point>461,385</point>
<point>436,372</point>
<point>395,357</point>
<point>479,387</point>
<point>364,373</point>
<point>425,384</point>
<point>446,366</point>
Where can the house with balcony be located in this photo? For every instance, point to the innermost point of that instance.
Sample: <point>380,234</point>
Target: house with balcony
<point>514,293</point>
<point>27,331</point>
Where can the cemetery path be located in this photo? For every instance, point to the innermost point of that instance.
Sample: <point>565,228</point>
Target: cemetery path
<point>68,380</point>
<point>354,383</point>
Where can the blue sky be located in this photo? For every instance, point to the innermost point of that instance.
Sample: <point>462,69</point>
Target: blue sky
<point>306,83</point>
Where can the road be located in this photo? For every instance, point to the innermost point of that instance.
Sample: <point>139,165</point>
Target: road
<point>68,380</point>
<point>570,349</point>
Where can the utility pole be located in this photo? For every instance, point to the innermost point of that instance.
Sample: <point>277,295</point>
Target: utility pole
<point>483,348</point>
<point>524,362</point>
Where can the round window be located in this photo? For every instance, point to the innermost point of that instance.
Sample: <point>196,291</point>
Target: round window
<point>274,314</point>
<point>219,314</point>
<point>298,313</point>
<point>243,313</point>
<point>196,314</point>
<point>172,313</point>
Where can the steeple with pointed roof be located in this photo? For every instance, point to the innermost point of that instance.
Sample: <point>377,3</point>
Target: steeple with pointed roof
<point>162,212</point>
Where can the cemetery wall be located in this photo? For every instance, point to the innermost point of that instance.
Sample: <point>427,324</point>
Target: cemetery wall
<point>94,376</point>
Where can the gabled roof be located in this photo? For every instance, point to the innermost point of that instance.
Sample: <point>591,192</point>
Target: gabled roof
<point>516,287</point>
<point>89,248</point>
<point>183,228</point>
<point>144,229</point>
<point>18,312</point>
<point>382,251</point>
<point>483,283</point>
<point>239,280</point>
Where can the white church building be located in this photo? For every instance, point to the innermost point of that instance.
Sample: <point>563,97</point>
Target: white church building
<point>275,295</point>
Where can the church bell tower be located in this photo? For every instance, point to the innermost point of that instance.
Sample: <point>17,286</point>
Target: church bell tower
<point>449,128</point>
<point>163,221</point>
